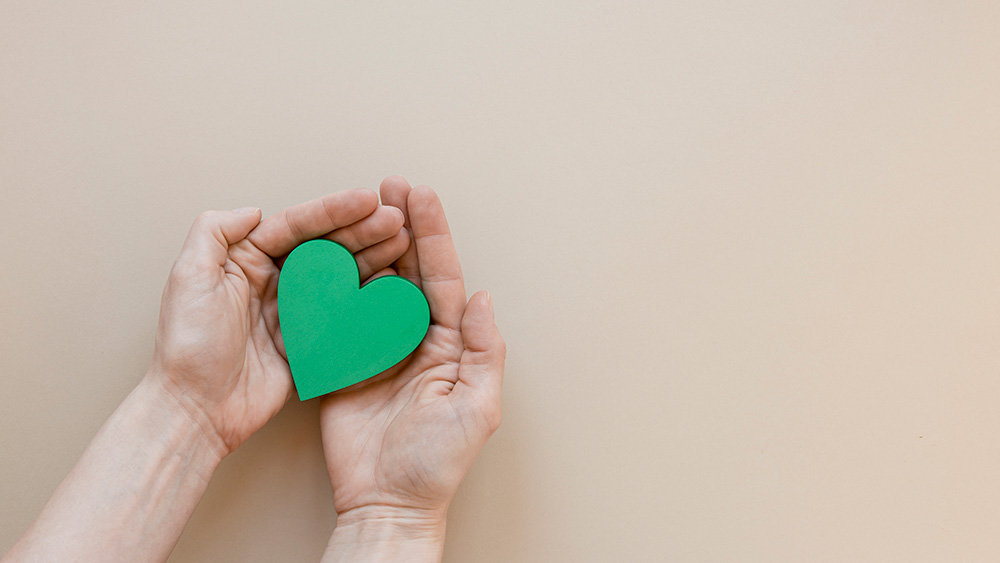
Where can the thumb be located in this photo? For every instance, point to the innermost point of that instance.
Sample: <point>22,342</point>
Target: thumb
<point>480,371</point>
<point>208,241</point>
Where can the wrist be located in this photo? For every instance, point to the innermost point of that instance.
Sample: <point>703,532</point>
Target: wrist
<point>181,418</point>
<point>387,533</point>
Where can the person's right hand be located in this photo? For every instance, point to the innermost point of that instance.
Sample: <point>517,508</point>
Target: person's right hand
<point>219,353</point>
<point>398,445</point>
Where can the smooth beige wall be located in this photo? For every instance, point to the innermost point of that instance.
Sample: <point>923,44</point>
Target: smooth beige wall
<point>746,256</point>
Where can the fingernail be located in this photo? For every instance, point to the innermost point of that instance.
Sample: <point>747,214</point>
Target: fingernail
<point>246,210</point>
<point>489,302</point>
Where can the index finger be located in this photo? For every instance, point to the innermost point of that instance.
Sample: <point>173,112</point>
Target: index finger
<point>280,233</point>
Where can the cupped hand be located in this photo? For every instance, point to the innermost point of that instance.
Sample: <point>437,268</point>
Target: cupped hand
<point>399,444</point>
<point>219,353</point>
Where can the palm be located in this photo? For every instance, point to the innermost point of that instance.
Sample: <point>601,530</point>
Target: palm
<point>382,454</point>
<point>257,381</point>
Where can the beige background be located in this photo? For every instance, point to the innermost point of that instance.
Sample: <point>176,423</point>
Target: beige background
<point>746,256</point>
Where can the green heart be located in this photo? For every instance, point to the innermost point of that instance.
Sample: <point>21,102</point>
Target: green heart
<point>337,333</point>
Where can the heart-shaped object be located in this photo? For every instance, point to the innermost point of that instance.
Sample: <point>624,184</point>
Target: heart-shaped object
<point>337,332</point>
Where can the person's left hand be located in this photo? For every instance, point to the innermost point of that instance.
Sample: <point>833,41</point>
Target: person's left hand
<point>398,445</point>
<point>219,352</point>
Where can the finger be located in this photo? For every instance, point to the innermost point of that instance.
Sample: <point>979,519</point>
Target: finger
<point>383,224</point>
<point>207,243</point>
<point>280,233</point>
<point>480,371</point>
<point>440,272</point>
<point>394,191</point>
<point>377,256</point>
<point>381,273</point>
<point>382,255</point>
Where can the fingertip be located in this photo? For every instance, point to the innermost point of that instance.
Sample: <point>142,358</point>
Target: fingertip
<point>394,180</point>
<point>386,219</point>
<point>394,191</point>
<point>398,217</point>
<point>424,204</point>
<point>248,217</point>
<point>477,322</point>
<point>366,197</point>
<point>481,306</point>
<point>481,300</point>
<point>483,361</point>
<point>422,196</point>
<point>393,187</point>
<point>494,330</point>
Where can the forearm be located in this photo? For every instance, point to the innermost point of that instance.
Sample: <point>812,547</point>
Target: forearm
<point>386,535</point>
<point>133,490</point>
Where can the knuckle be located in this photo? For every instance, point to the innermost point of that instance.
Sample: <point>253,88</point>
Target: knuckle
<point>206,219</point>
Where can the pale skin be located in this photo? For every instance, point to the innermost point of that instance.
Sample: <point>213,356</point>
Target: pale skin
<point>219,373</point>
<point>398,446</point>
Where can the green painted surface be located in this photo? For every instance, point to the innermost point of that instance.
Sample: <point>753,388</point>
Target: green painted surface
<point>337,334</point>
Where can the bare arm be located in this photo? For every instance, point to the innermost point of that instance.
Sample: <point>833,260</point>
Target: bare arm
<point>133,490</point>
